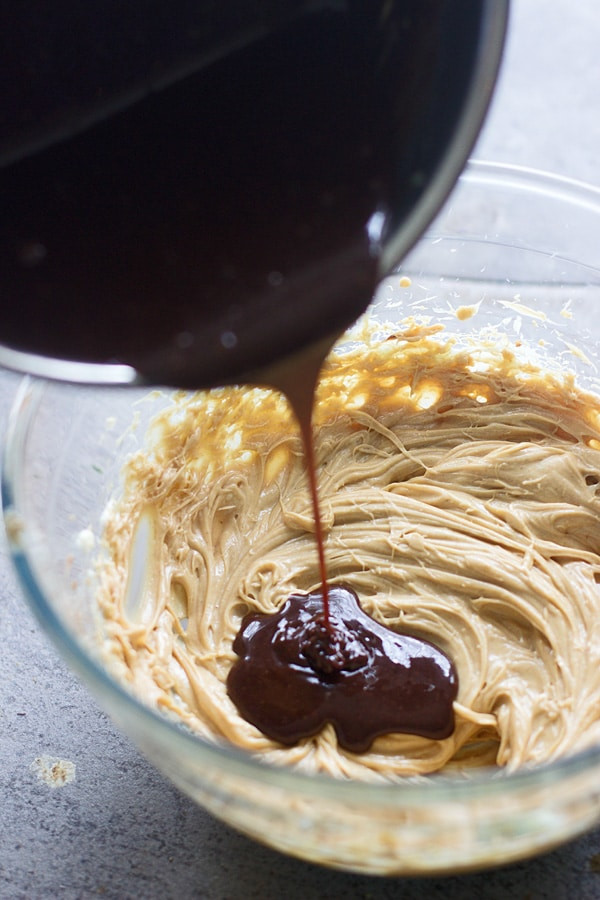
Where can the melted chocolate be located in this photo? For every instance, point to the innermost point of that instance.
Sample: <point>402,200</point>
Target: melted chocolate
<point>297,673</point>
<point>222,223</point>
<point>217,225</point>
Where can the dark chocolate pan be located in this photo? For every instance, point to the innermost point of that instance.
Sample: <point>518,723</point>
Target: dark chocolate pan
<point>132,246</point>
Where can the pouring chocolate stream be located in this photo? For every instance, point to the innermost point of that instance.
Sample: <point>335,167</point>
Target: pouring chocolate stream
<point>270,184</point>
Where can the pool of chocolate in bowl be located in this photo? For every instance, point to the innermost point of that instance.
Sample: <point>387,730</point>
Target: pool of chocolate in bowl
<point>297,673</point>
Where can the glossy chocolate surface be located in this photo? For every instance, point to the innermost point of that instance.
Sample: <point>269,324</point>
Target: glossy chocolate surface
<point>297,672</point>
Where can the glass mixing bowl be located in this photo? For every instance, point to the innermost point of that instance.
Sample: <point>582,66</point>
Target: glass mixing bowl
<point>513,250</point>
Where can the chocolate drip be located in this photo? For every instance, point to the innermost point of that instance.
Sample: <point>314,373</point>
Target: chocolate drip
<point>297,673</point>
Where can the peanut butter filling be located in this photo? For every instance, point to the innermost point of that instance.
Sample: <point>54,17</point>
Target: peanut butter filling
<point>460,501</point>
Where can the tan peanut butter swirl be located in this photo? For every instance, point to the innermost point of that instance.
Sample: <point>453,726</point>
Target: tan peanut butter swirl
<point>460,501</point>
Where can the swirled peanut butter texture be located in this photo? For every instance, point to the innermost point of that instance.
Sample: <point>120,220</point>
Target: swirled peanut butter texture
<point>460,501</point>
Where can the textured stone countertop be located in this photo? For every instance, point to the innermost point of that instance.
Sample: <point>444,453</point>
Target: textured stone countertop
<point>119,830</point>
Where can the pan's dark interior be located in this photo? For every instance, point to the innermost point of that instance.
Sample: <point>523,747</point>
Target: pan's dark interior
<point>199,189</point>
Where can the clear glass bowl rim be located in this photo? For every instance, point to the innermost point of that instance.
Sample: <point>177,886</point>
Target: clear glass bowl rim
<point>227,758</point>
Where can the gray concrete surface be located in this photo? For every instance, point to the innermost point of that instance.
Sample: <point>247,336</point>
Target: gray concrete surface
<point>119,830</point>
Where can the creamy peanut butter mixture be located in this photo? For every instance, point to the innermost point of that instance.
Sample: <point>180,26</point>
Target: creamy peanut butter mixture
<point>460,500</point>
